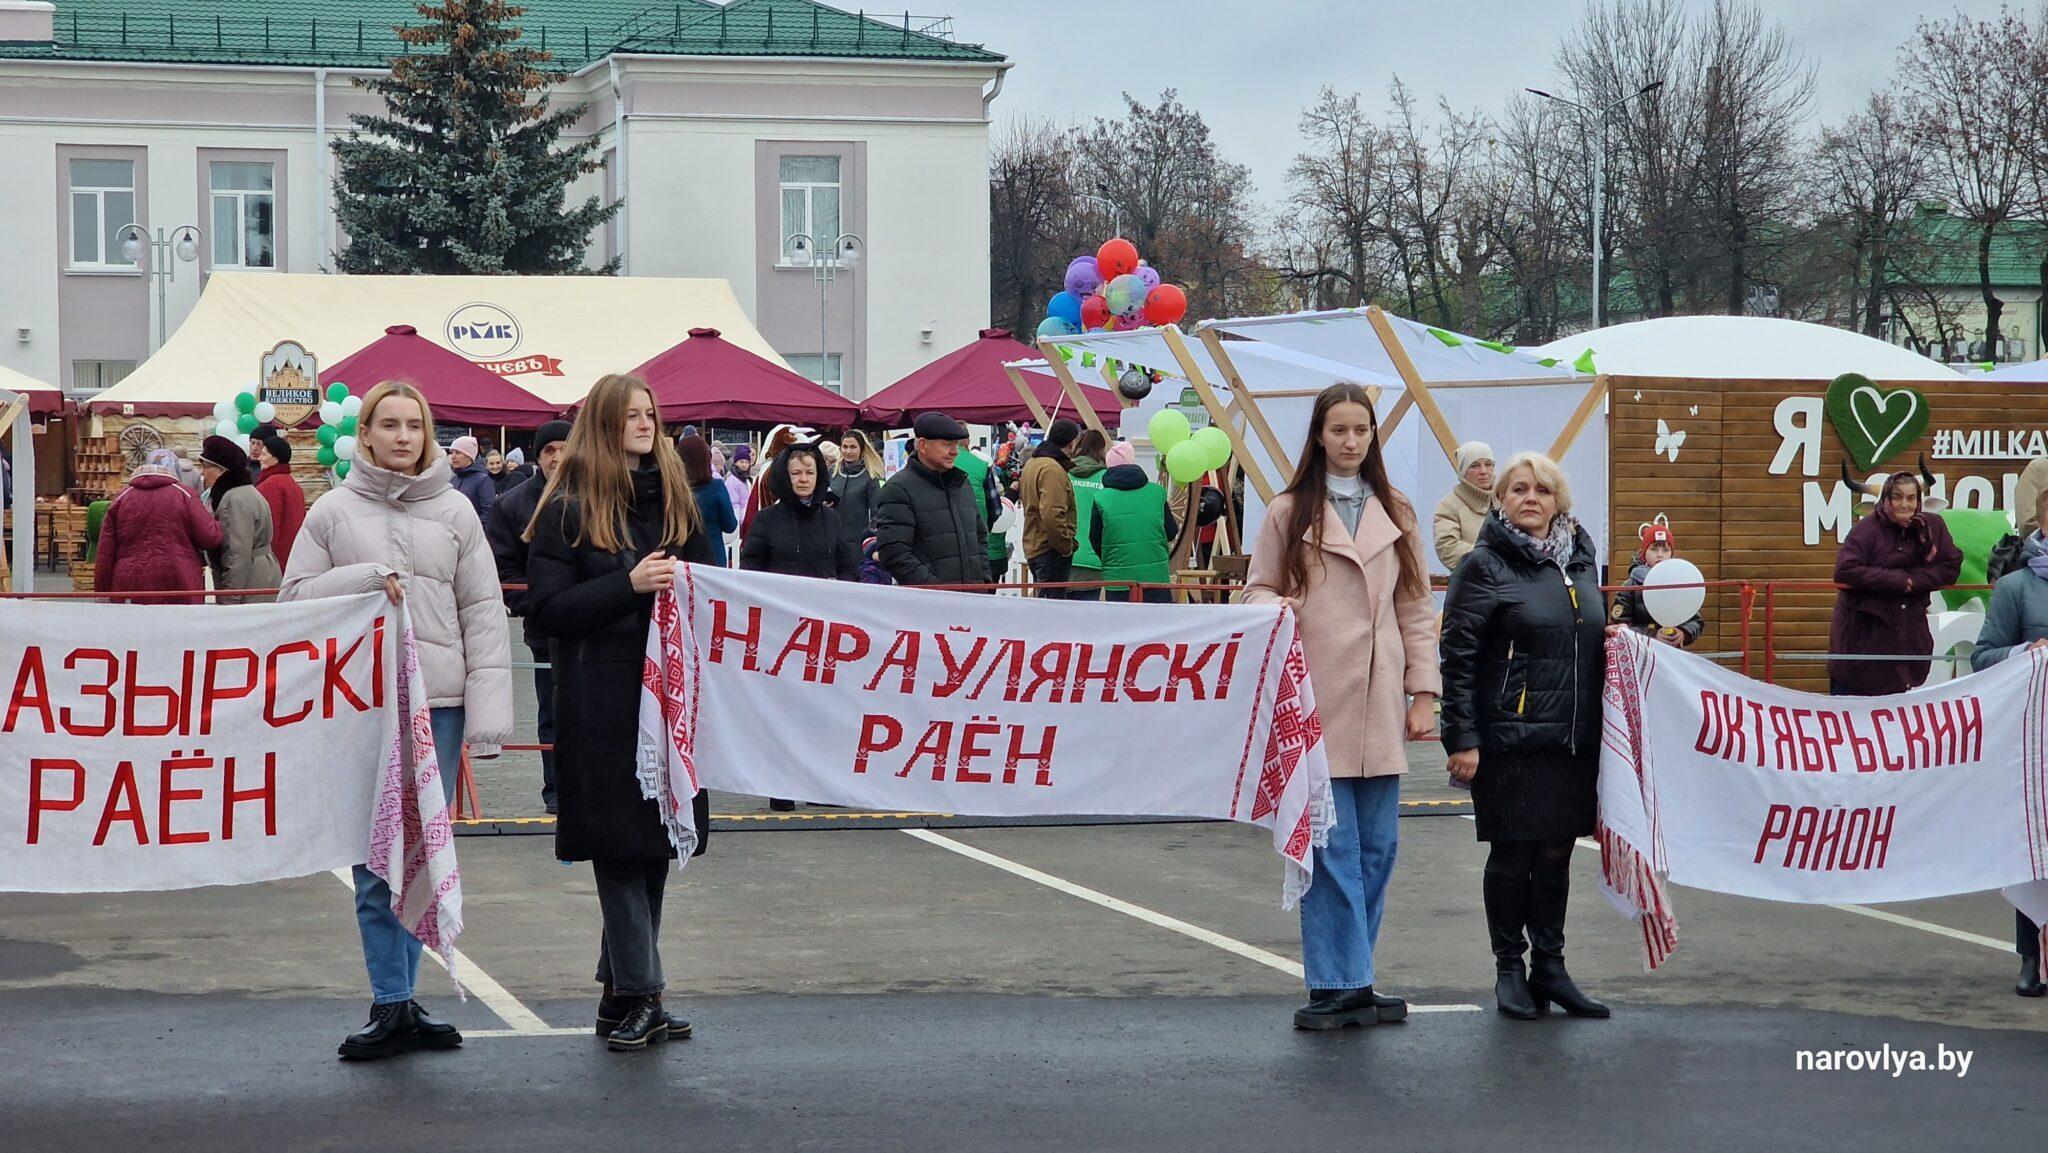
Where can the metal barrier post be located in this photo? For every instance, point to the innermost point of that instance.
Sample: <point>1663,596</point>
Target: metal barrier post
<point>1770,631</point>
<point>1748,609</point>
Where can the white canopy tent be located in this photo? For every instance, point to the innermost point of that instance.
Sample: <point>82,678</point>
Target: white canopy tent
<point>2025,372</point>
<point>554,336</point>
<point>1744,348</point>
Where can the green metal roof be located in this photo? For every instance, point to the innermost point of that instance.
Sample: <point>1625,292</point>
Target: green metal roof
<point>2016,250</point>
<point>362,33</point>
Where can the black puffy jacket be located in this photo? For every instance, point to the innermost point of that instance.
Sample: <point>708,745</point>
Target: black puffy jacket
<point>1523,648</point>
<point>928,530</point>
<point>510,514</point>
<point>797,540</point>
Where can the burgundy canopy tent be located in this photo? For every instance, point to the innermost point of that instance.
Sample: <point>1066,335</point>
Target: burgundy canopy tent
<point>459,390</point>
<point>707,380</point>
<point>969,384</point>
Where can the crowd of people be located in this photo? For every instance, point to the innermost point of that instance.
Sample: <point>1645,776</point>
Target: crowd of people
<point>578,542</point>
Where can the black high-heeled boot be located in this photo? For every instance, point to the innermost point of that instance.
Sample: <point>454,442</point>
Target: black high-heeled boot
<point>2030,983</point>
<point>1549,894</point>
<point>1506,896</point>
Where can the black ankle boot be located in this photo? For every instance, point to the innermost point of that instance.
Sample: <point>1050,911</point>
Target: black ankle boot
<point>2030,983</point>
<point>1337,1008</point>
<point>390,1032</point>
<point>434,1034</point>
<point>1549,894</point>
<point>1506,896</point>
<point>645,1022</point>
<point>612,1010</point>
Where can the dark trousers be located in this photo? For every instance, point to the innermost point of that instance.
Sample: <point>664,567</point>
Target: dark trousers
<point>544,696</point>
<point>2027,937</point>
<point>1049,567</point>
<point>629,955</point>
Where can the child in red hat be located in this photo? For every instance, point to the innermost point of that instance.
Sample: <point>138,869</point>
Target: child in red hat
<point>1657,545</point>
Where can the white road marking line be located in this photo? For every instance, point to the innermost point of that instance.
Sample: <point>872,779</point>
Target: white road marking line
<point>1174,924</point>
<point>498,1034</point>
<point>495,997</point>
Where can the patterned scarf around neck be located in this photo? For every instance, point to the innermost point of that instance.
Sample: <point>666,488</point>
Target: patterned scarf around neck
<point>1557,549</point>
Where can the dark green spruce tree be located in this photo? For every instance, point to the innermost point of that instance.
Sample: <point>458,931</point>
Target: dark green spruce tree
<point>465,173</point>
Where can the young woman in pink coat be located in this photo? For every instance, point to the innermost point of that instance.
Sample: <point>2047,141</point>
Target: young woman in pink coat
<point>1343,549</point>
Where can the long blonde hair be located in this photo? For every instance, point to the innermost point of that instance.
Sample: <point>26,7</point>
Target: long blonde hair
<point>594,472</point>
<point>868,455</point>
<point>378,395</point>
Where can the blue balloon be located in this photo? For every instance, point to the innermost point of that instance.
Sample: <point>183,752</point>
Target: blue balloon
<point>1057,326</point>
<point>1067,307</point>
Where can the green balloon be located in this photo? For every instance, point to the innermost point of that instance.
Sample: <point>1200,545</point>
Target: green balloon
<point>337,392</point>
<point>348,426</point>
<point>341,470</point>
<point>325,456</point>
<point>1168,428</point>
<point>1185,463</point>
<point>245,402</point>
<point>1215,446</point>
<point>246,422</point>
<point>327,434</point>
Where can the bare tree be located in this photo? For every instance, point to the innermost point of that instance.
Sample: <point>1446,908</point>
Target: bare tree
<point>1337,184</point>
<point>1870,173</point>
<point>1976,98</point>
<point>1031,219</point>
<point>1538,226</point>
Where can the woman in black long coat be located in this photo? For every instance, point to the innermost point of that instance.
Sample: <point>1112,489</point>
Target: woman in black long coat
<point>1524,655</point>
<point>606,538</point>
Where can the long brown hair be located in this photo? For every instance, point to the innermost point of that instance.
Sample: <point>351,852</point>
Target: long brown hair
<point>595,474</point>
<point>368,412</point>
<point>1310,489</point>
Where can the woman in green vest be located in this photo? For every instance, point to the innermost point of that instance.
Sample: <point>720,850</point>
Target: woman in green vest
<point>1132,529</point>
<point>1086,475</point>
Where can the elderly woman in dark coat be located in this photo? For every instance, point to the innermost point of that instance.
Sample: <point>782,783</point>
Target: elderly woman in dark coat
<point>605,540</point>
<point>1524,657</point>
<point>1891,562</point>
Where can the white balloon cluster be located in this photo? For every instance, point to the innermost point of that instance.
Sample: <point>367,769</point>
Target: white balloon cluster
<point>237,418</point>
<point>337,433</point>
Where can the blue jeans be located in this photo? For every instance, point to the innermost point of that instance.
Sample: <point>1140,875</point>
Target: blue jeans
<point>391,954</point>
<point>1340,914</point>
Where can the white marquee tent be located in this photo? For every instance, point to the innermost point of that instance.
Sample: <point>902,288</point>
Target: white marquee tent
<point>1744,348</point>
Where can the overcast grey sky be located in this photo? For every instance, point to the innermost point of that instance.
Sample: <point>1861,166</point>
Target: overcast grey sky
<point>1250,67</point>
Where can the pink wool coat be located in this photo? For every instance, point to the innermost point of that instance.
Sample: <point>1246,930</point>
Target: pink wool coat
<point>1369,645</point>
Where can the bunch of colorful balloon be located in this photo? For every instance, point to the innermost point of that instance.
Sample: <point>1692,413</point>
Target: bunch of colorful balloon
<point>237,419</point>
<point>1189,454</point>
<point>1112,290</point>
<point>337,432</point>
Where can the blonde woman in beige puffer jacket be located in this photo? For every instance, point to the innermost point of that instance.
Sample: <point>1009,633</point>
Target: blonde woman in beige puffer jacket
<point>397,524</point>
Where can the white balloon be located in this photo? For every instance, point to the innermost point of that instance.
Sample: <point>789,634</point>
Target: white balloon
<point>345,447</point>
<point>1672,607</point>
<point>242,441</point>
<point>265,412</point>
<point>330,412</point>
<point>351,405</point>
<point>224,411</point>
<point>226,428</point>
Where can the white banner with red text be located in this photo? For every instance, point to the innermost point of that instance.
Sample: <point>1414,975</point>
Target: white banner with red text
<point>170,746</point>
<point>1723,783</point>
<point>911,700</point>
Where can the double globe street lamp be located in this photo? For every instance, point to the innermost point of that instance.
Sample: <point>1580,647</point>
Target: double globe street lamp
<point>825,257</point>
<point>183,241</point>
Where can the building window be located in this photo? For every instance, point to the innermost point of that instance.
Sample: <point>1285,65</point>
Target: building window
<point>244,215</point>
<point>807,366</point>
<point>90,376</point>
<point>102,203</point>
<point>810,200</point>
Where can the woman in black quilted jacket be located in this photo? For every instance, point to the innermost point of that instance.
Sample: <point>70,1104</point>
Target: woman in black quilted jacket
<point>1523,654</point>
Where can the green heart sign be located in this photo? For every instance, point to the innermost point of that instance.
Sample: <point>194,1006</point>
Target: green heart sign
<point>1874,424</point>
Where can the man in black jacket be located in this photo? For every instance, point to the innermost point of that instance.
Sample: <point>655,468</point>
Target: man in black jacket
<point>505,528</point>
<point>927,528</point>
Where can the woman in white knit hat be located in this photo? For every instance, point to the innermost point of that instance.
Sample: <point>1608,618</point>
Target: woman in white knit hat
<point>1460,513</point>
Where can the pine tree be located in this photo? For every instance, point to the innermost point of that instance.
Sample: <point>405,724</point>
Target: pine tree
<point>464,173</point>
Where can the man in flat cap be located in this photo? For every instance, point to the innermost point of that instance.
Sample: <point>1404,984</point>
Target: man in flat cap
<point>930,526</point>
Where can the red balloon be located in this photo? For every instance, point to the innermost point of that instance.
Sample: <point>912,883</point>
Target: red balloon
<point>1117,257</point>
<point>1094,311</point>
<point>1166,304</point>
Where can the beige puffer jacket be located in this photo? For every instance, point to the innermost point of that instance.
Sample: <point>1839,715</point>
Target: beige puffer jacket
<point>379,522</point>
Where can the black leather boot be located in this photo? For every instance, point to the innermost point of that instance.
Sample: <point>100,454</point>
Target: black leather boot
<point>1338,1008</point>
<point>1549,894</point>
<point>434,1034</point>
<point>389,1033</point>
<point>645,1022</point>
<point>1506,896</point>
<point>612,1010</point>
<point>2030,983</point>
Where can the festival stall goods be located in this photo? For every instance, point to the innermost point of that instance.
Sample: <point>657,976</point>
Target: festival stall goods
<point>176,758</point>
<point>1724,783</point>
<point>459,390</point>
<point>918,700</point>
<point>707,379</point>
<point>968,384</point>
<point>1763,441</point>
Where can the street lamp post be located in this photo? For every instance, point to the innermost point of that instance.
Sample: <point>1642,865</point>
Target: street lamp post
<point>1116,215</point>
<point>183,242</point>
<point>842,251</point>
<point>1599,170</point>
